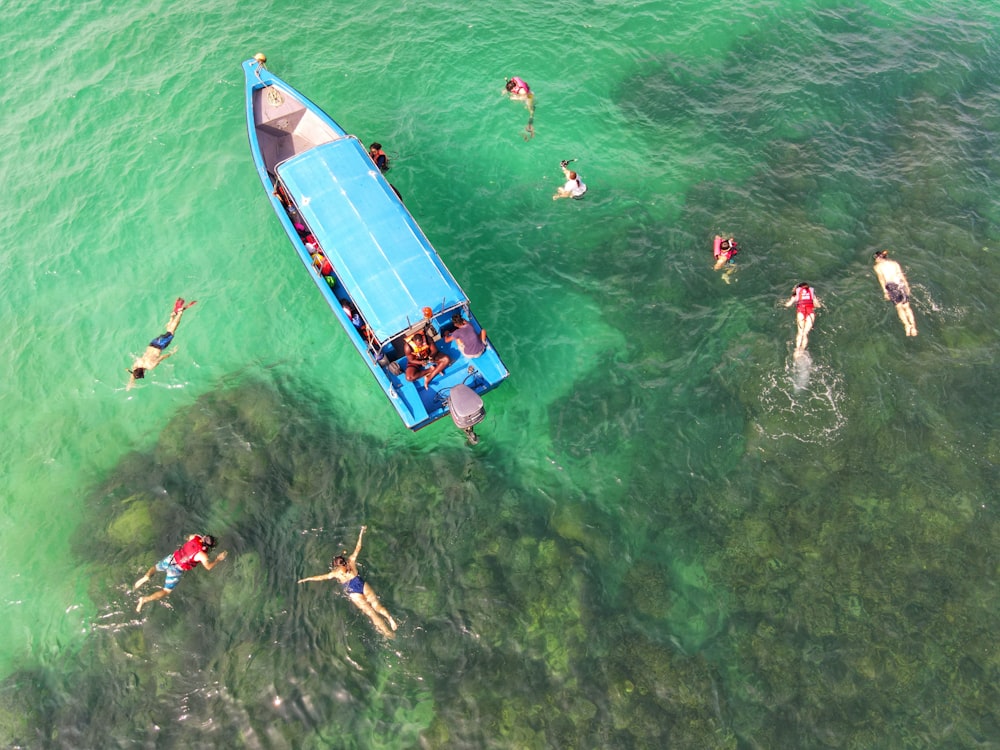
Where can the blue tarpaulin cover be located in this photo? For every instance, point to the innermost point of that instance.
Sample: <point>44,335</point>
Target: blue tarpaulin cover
<point>378,252</point>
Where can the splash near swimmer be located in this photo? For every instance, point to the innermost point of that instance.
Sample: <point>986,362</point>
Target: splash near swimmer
<point>801,370</point>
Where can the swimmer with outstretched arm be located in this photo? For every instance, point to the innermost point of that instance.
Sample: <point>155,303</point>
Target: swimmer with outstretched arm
<point>344,570</point>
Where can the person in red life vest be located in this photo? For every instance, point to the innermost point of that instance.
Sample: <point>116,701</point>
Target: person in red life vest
<point>423,358</point>
<point>154,352</point>
<point>379,157</point>
<point>725,249</point>
<point>193,551</point>
<point>805,300</point>
<point>345,571</point>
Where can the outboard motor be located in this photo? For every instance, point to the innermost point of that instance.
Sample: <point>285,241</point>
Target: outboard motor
<point>467,410</point>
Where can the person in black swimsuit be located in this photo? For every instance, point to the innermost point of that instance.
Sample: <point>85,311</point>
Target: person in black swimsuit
<point>345,571</point>
<point>896,289</point>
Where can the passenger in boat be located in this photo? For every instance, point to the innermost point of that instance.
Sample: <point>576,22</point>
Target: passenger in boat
<point>293,213</point>
<point>896,289</point>
<point>423,358</point>
<point>574,187</point>
<point>344,570</point>
<point>321,263</point>
<point>805,300</point>
<point>725,249</point>
<point>194,550</point>
<point>154,352</point>
<point>519,90</point>
<point>465,338</point>
<point>356,320</point>
<point>282,195</point>
<point>379,157</point>
<point>353,314</point>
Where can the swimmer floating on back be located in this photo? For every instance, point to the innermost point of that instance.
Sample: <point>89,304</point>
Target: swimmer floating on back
<point>520,91</point>
<point>345,571</point>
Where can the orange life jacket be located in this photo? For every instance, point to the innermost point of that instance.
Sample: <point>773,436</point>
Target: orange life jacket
<point>419,351</point>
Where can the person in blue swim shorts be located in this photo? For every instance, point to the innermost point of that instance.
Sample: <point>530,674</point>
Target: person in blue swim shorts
<point>154,352</point>
<point>345,571</point>
<point>187,556</point>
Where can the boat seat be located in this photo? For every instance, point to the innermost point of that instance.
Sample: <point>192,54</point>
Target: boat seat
<point>394,350</point>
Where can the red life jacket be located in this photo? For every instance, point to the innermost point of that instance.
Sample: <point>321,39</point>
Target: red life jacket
<point>322,264</point>
<point>804,300</point>
<point>184,558</point>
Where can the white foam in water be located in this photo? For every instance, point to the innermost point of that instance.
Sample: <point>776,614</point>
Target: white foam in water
<point>803,402</point>
<point>800,369</point>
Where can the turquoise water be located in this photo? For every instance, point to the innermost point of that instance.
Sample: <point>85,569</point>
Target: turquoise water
<point>671,534</point>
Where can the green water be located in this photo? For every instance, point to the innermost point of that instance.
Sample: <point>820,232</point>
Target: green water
<point>671,534</point>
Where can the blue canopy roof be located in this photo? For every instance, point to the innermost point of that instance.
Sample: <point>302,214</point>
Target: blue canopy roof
<point>377,250</point>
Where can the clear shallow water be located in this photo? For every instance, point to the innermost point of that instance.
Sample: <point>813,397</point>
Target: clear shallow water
<point>664,536</point>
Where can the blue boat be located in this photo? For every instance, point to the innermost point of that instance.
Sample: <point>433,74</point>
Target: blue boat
<point>365,253</point>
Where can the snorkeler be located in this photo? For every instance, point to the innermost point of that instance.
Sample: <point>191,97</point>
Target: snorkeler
<point>805,299</point>
<point>345,571</point>
<point>154,352</point>
<point>520,91</point>
<point>895,288</point>
<point>193,551</point>
<point>574,187</point>
<point>725,249</point>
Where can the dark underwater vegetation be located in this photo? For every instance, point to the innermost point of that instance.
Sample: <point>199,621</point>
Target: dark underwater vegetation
<point>734,613</point>
<point>496,600</point>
